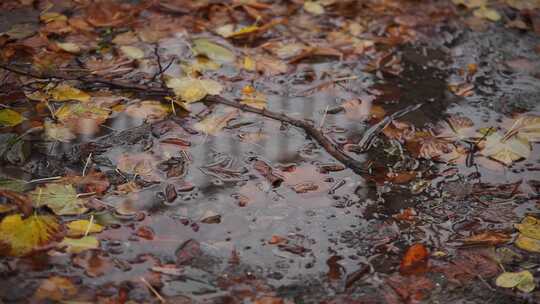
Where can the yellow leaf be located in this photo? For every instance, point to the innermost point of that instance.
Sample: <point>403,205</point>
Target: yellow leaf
<point>10,118</point>
<point>253,98</point>
<point>65,92</point>
<point>249,64</point>
<point>526,126</point>
<point>313,7</point>
<point>132,52</point>
<point>82,118</point>
<point>57,131</point>
<point>529,227</point>
<point>149,110</point>
<point>487,13</point>
<point>225,30</point>
<point>23,236</point>
<point>244,31</point>
<point>193,90</point>
<point>527,243</point>
<point>69,47</point>
<point>79,245</point>
<point>82,227</point>
<point>52,16</point>
<point>213,50</point>
<point>523,280</point>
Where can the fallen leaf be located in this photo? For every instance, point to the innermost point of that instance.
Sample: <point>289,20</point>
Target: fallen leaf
<point>65,92</point>
<point>527,243</point>
<point>488,238</point>
<point>253,98</point>
<point>523,280</point>
<point>21,237</point>
<point>193,90</point>
<point>148,110</point>
<point>62,199</point>
<point>79,245</point>
<point>213,50</point>
<point>487,13</point>
<point>214,124</point>
<point>142,164</point>
<point>57,131</point>
<point>360,110</point>
<point>56,289</point>
<point>415,260</point>
<point>314,7</point>
<point>10,118</point>
<point>506,151</point>
<point>82,118</point>
<point>80,228</point>
<point>69,47</point>
<point>132,52</point>
<point>526,126</point>
<point>529,227</point>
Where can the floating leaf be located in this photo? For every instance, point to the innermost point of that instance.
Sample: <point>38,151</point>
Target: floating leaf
<point>523,280</point>
<point>313,7</point>
<point>82,118</point>
<point>415,260</point>
<point>65,92</point>
<point>487,13</point>
<point>214,124</point>
<point>22,236</point>
<point>79,245</point>
<point>506,151</point>
<point>82,227</point>
<point>62,199</point>
<point>149,110</point>
<point>132,52</point>
<point>193,90</point>
<point>10,118</point>
<point>213,50</point>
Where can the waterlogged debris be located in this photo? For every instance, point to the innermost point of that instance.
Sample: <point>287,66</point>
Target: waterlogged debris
<point>62,199</point>
<point>10,118</point>
<point>193,90</point>
<point>21,236</point>
<point>522,280</point>
<point>79,245</point>
<point>213,51</point>
<point>80,228</point>
<point>506,151</point>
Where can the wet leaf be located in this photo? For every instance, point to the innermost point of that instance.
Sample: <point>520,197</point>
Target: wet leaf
<point>148,110</point>
<point>10,118</point>
<point>23,236</point>
<point>313,7</point>
<point>214,124</point>
<point>213,50</point>
<point>415,260</point>
<point>65,92</point>
<point>487,13</point>
<point>358,110</point>
<point>56,289</point>
<point>58,132</point>
<point>69,47</point>
<point>193,90</point>
<point>82,118</point>
<point>79,245</point>
<point>526,126</point>
<point>488,238</point>
<point>142,164</point>
<point>16,185</point>
<point>62,199</point>
<point>529,227</point>
<point>523,280</point>
<point>82,227</point>
<point>527,243</point>
<point>252,97</point>
<point>132,52</point>
<point>506,151</point>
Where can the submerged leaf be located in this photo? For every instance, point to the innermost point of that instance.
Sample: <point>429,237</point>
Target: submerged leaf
<point>22,236</point>
<point>213,50</point>
<point>65,92</point>
<point>62,199</point>
<point>214,124</point>
<point>10,118</point>
<point>58,131</point>
<point>193,90</point>
<point>149,110</point>
<point>82,118</point>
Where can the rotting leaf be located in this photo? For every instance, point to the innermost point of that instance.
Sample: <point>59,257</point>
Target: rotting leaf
<point>62,199</point>
<point>522,280</point>
<point>21,237</point>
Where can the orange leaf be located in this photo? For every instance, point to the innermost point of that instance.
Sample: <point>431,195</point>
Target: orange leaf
<point>415,260</point>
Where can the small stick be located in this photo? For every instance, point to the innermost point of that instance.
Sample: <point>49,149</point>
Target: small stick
<point>45,179</point>
<point>89,225</point>
<point>154,291</point>
<point>86,164</point>
<point>324,117</point>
